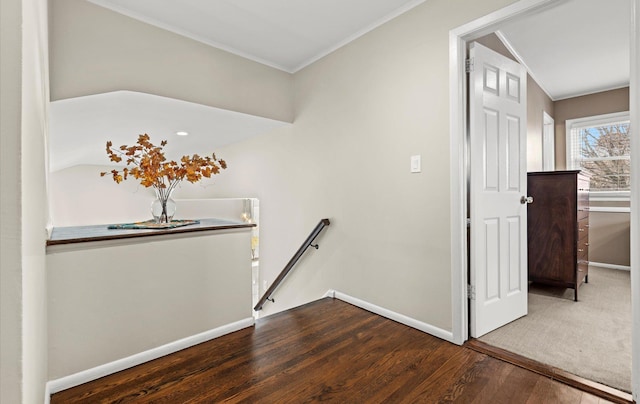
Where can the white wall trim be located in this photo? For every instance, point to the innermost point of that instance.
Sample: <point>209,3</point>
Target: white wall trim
<point>634,111</point>
<point>400,318</point>
<point>330,293</point>
<point>47,393</point>
<point>458,163</point>
<point>610,209</point>
<point>76,379</point>
<point>610,266</point>
<point>548,142</point>
<point>609,196</point>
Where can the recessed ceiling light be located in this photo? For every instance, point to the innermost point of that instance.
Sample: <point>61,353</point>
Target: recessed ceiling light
<point>182,133</point>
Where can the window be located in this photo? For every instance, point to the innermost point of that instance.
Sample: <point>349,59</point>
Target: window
<point>601,145</point>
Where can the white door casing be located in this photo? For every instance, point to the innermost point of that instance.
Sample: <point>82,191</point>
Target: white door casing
<point>548,143</point>
<point>497,131</point>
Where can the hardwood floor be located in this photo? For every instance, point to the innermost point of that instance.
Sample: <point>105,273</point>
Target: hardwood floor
<point>327,350</point>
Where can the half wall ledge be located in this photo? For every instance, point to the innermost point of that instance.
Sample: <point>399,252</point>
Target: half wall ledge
<point>83,234</point>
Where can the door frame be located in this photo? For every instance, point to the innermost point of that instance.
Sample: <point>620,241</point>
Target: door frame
<point>458,39</point>
<point>548,124</point>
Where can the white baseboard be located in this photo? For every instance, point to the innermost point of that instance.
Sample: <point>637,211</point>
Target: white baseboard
<point>610,266</point>
<point>47,394</point>
<point>400,318</point>
<point>76,379</point>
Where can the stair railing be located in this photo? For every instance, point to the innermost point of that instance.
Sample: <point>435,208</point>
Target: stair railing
<point>307,243</point>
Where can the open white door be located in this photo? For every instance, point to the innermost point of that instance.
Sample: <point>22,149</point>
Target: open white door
<point>498,183</point>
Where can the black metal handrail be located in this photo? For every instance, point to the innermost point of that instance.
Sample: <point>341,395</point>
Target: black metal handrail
<point>292,262</point>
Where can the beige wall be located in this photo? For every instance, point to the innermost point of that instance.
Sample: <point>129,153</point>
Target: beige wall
<point>95,50</point>
<point>108,301</point>
<point>106,201</point>
<point>609,238</point>
<point>10,193</point>
<point>594,104</point>
<point>537,102</point>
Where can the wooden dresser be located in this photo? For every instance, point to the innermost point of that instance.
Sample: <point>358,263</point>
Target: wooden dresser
<point>558,228</point>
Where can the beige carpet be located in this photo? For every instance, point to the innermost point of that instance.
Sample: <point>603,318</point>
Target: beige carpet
<point>590,338</point>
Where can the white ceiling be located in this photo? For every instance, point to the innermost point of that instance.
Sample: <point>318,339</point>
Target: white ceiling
<point>577,47</point>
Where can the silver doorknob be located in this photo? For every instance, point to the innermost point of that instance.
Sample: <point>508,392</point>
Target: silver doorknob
<point>526,199</point>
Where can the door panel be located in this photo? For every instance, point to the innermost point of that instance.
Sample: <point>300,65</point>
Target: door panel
<point>497,105</point>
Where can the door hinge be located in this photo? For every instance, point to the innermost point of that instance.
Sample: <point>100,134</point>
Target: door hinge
<point>468,65</point>
<point>471,292</point>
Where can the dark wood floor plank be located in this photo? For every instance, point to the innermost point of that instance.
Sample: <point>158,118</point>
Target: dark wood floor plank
<point>547,391</point>
<point>443,383</point>
<point>426,363</point>
<point>325,351</point>
<point>509,384</point>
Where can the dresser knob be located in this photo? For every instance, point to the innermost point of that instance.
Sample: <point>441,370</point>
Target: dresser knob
<point>580,250</point>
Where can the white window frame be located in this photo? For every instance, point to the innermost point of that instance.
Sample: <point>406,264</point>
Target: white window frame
<point>591,121</point>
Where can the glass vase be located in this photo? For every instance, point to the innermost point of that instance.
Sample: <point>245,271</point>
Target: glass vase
<point>163,208</point>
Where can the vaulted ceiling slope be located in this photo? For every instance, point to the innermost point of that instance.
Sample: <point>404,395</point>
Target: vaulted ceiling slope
<point>80,127</point>
<point>575,48</point>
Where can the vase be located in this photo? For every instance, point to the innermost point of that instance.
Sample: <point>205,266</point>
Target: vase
<point>163,208</point>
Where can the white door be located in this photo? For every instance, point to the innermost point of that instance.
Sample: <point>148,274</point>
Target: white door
<point>498,181</point>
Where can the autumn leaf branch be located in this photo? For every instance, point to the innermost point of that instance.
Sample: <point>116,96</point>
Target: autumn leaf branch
<point>152,169</point>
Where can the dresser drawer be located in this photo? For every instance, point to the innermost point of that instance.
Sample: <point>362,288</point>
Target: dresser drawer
<point>583,228</point>
<point>583,184</point>
<point>582,272</point>
<point>583,212</point>
<point>583,250</point>
<point>583,196</point>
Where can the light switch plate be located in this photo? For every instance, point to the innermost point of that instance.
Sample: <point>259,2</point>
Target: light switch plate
<point>416,164</point>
